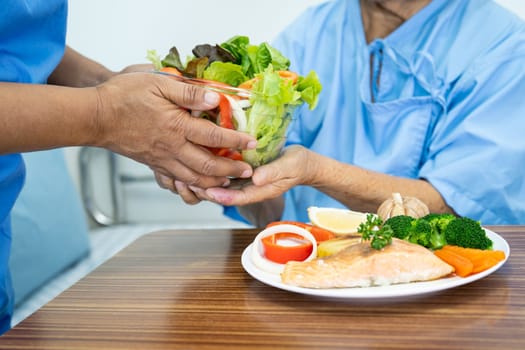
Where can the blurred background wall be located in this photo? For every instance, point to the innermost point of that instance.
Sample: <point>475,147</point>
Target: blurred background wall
<point>118,32</point>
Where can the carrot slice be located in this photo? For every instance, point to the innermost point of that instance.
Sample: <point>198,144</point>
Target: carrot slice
<point>171,70</point>
<point>473,253</point>
<point>462,265</point>
<point>248,84</point>
<point>285,74</point>
<point>481,259</point>
<point>484,264</point>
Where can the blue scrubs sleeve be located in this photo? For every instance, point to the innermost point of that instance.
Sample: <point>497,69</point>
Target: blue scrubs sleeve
<point>12,173</point>
<point>32,43</point>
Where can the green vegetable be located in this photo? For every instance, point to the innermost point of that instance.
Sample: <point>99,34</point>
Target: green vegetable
<point>196,67</point>
<point>272,108</point>
<point>401,225</point>
<point>255,58</point>
<point>426,231</point>
<point>225,72</point>
<point>172,59</point>
<point>214,53</point>
<point>237,47</point>
<point>373,230</point>
<point>434,231</point>
<point>310,88</point>
<point>154,58</point>
<point>467,233</point>
<point>420,233</point>
<point>439,223</point>
<point>273,99</point>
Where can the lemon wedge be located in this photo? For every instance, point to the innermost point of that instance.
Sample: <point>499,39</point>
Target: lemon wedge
<point>339,221</point>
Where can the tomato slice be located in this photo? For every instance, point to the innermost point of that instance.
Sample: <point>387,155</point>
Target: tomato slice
<point>286,246</point>
<point>226,152</point>
<point>225,113</point>
<point>225,120</point>
<point>320,234</point>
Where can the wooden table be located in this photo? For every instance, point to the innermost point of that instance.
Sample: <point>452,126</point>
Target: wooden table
<point>188,290</point>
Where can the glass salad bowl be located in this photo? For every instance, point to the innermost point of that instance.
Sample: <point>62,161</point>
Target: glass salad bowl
<point>259,92</point>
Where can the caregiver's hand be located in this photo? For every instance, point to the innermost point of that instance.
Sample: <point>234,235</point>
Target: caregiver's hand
<point>145,117</point>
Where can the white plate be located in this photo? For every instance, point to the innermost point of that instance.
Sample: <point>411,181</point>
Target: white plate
<point>391,291</point>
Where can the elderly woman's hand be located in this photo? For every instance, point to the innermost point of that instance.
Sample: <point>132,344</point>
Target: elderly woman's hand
<point>268,181</point>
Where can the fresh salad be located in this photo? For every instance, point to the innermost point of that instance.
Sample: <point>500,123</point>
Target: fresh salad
<point>275,91</point>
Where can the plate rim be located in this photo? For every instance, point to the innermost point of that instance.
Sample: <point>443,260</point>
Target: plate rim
<point>378,292</point>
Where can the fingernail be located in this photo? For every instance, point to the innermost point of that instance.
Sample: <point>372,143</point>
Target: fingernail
<point>246,174</point>
<point>219,195</point>
<point>251,145</point>
<point>226,183</point>
<point>210,195</point>
<point>211,98</point>
<point>194,188</point>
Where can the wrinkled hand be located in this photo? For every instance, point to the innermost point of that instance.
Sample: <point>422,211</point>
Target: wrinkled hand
<point>268,181</point>
<point>180,188</point>
<point>140,67</point>
<point>145,117</point>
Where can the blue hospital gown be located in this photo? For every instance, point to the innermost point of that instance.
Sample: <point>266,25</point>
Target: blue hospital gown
<point>32,42</point>
<point>450,106</point>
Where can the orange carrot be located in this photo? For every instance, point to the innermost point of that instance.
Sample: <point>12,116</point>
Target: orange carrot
<point>171,70</point>
<point>484,264</point>
<point>481,259</point>
<point>248,84</point>
<point>475,254</point>
<point>285,74</point>
<point>462,265</point>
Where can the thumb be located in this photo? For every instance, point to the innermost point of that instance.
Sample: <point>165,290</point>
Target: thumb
<point>191,96</point>
<point>264,175</point>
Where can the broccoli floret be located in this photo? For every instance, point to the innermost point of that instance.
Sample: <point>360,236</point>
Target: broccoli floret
<point>420,232</point>
<point>436,240</point>
<point>468,233</point>
<point>401,225</point>
<point>439,223</point>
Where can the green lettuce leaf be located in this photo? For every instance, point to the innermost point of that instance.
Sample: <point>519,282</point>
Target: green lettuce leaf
<point>225,72</point>
<point>255,58</point>
<point>310,87</point>
<point>154,58</point>
<point>237,47</point>
<point>172,59</point>
<point>273,99</point>
<point>196,67</point>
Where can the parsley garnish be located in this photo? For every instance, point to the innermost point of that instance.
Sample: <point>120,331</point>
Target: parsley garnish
<point>374,231</point>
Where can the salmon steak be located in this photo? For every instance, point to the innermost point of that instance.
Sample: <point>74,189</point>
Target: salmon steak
<point>360,265</point>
